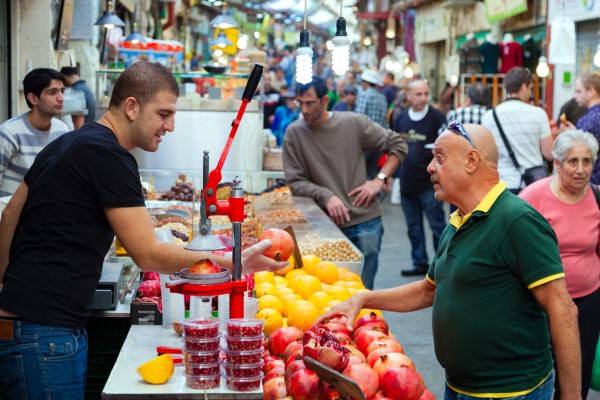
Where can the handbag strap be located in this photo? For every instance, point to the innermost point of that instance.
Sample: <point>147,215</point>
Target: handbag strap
<point>596,191</point>
<point>505,140</point>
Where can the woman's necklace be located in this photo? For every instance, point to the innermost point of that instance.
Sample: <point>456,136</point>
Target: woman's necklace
<point>565,197</point>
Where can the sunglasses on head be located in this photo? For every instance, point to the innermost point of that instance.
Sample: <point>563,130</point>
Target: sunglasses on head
<point>459,129</point>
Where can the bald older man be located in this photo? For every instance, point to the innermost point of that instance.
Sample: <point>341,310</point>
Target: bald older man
<point>496,283</point>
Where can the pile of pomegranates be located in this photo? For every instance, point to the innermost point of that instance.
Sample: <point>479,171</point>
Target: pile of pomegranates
<point>368,355</point>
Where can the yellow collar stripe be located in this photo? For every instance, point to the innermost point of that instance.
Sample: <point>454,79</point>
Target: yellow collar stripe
<point>456,220</point>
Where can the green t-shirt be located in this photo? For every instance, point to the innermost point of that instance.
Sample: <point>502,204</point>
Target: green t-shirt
<point>490,334</point>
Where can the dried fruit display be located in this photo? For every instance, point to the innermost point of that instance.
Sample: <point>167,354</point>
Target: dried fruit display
<point>182,191</point>
<point>282,216</point>
<point>327,249</point>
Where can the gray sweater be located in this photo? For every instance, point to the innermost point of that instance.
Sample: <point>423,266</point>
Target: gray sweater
<point>329,159</point>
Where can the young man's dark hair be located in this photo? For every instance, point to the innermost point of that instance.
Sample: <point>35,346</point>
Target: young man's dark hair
<point>515,78</point>
<point>479,93</point>
<point>142,81</point>
<point>39,79</point>
<point>317,83</point>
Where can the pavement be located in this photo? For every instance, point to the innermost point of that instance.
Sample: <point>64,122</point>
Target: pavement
<point>413,330</point>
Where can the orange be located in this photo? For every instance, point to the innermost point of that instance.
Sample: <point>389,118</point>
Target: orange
<point>279,292</point>
<point>326,271</point>
<point>354,284</point>
<point>282,272</point>
<point>158,370</point>
<point>263,276</point>
<point>270,301</point>
<point>363,290</point>
<point>280,281</point>
<point>352,291</point>
<point>303,316</point>
<point>264,288</point>
<point>273,320</point>
<point>333,303</point>
<point>306,285</point>
<point>340,283</point>
<point>324,310</point>
<point>349,276</point>
<point>294,273</point>
<point>288,301</point>
<point>309,261</point>
<point>339,292</point>
<point>319,299</point>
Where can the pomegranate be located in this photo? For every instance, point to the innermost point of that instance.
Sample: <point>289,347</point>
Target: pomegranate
<point>282,244</point>
<point>323,346</point>
<point>274,373</point>
<point>374,355</point>
<point>365,377</point>
<point>268,359</point>
<point>292,348</point>
<point>402,383</point>
<point>340,319</point>
<point>337,327</point>
<point>355,352</point>
<point>385,342</point>
<point>392,360</point>
<point>281,337</point>
<point>274,389</point>
<point>273,364</point>
<point>328,392</point>
<point>297,355</point>
<point>342,338</point>
<point>292,367</point>
<point>352,359</point>
<point>205,266</point>
<point>427,395</point>
<point>381,396</point>
<point>303,385</point>
<point>374,320</point>
<point>365,335</point>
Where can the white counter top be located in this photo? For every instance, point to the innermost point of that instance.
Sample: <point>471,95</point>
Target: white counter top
<point>140,346</point>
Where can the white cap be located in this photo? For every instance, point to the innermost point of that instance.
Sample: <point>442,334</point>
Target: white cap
<point>371,76</point>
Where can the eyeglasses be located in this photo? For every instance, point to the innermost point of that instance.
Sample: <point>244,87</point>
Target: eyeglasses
<point>457,128</point>
<point>308,104</point>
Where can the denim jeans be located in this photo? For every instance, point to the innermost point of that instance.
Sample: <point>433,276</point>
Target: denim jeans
<point>542,392</point>
<point>43,362</point>
<point>367,237</point>
<point>414,205</point>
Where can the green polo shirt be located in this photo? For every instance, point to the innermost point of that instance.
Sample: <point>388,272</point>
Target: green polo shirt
<point>490,334</point>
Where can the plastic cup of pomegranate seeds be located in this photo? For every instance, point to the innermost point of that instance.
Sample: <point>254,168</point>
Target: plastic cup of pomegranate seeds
<point>243,357</point>
<point>243,384</point>
<point>203,382</point>
<point>202,369</point>
<point>244,327</point>
<point>210,344</point>
<point>244,343</point>
<point>200,328</point>
<point>243,370</point>
<point>201,357</point>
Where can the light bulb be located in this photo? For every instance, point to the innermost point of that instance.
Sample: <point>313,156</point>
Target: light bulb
<point>397,67</point>
<point>304,56</point>
<point>367,41</point>
<point>109,26</point>
<point>389,65</point>
<point>543,70</point>
<point>597,57</point>
<point>341,55</point>
<point>409,72</point>
<point>454,80</point>
<point>304,65</point>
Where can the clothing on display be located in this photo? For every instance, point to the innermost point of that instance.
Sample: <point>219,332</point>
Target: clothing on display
<point>470,58</point>
<point>531,53</point>
<point>490,53</point>
<point>511,54</point>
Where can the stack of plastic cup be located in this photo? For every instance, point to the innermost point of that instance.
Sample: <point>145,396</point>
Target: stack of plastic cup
<point>201,347</point>
<point>243,363</point>
<point>200,307</point>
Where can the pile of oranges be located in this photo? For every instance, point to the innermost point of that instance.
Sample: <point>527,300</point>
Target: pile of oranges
<point>298,296</point>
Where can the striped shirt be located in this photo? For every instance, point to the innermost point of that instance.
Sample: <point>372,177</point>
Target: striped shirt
<point>465,115</point>
<point>374,105</point>
<point>20,142</point>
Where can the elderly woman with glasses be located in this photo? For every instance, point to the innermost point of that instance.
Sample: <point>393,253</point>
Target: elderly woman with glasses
<point>568,202</point>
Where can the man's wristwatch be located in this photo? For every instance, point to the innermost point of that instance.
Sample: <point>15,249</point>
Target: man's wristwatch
<point>382,176</point>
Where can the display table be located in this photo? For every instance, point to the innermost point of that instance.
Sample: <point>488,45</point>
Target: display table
<point>140,346</point>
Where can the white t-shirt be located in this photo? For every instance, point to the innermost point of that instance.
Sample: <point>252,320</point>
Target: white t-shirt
<point>524,126</point>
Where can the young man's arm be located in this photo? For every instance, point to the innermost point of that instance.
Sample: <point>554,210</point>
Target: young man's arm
<point>8,224</point>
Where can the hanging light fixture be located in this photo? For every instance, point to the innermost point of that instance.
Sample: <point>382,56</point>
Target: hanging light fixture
<point>221,40</point>
<point>340,62</point>
<point>543,70</point>
<point>224,20</point>
<point>597,57</point>
<point>390,31</point>
<point>109,19</point>
<point>135,37</point>
<point>304,55</point>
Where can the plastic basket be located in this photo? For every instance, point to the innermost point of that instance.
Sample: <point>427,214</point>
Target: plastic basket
<point>595,384</point>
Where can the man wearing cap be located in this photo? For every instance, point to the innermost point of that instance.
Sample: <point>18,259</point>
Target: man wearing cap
<point>349,102</point>
<point>418,125</point>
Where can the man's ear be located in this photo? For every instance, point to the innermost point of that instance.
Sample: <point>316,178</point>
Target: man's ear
<point>473,160</point>
<point>33,99</point>
<point>131,108</point>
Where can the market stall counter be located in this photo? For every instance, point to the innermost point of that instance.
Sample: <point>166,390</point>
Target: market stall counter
<point>139,347</point>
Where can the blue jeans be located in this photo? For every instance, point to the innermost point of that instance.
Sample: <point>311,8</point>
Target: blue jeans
<point>367,237</point>
<point>414,205</point>
<point>542,392</point>
<point>43,362</point>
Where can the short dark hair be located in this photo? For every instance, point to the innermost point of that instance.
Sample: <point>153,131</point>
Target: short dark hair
<point>515,78</point>
<point>479,93</point>
<point>69,71</point>
<point>390,75</point>
<point>39,79</point>
<point>317,83</point>
<point>142,81</point>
